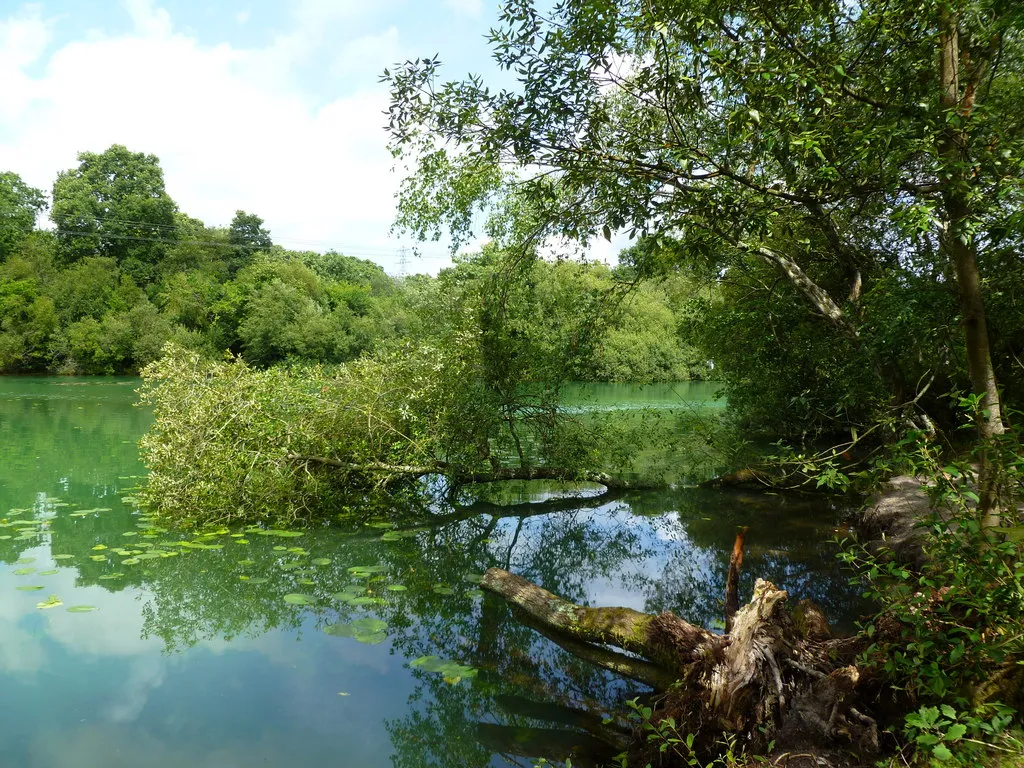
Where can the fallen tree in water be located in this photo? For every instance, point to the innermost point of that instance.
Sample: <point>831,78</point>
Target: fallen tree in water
<point>772,680</point>
<point>231,443</point>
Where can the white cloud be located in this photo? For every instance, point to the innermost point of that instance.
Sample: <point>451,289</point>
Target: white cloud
<point>23,40</point>
<point>149,20</point>
<point>474,8</point>
<point>366,57</point>
<point>233,128</point>
<point>242,17</point>
<point>147,674</point>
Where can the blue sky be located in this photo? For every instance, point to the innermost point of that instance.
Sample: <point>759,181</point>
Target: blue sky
<point>270,106</point>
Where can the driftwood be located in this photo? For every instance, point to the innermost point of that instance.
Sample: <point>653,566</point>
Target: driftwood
<point>766,681</point>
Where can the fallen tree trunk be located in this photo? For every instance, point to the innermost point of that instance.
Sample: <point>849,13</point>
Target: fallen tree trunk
<point>665,640</point>
<point>764,682</point>
<point>461,476</point>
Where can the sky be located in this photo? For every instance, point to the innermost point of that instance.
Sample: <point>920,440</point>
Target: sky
<point>269,106</point>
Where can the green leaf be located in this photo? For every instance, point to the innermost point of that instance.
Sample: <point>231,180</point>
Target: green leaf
<point>956,732</point>
<point>82,609</point>
<point>941,752</point>
<point>298,599</point>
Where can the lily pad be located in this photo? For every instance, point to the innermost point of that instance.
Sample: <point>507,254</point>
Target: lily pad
<point>452,671</point>
<point>365,601</point>
<point>281,534</point>
<point>321,561</point>
<point>397,588</point>
<point>368,631</point>
<point>297,599</point>
<point>82,609</point>
<point>50,572</point>
<point>366,571</point>
<point>63,557</point>
<point>370,625</point>
<point>51,602</point>
<point>29,588</point>
<point>24,571</point>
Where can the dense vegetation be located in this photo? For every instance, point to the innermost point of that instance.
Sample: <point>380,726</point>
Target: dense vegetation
<point>826,199</point>
<point>124,271</point>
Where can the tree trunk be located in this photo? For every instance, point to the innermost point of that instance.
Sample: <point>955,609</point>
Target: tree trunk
<point>960,245</point>
<point>459,476</point>
<point>763,682</point>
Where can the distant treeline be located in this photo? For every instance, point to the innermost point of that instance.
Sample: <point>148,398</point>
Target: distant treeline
<point>123,271</point>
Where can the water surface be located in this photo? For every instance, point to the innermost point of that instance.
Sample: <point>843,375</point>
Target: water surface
<point>243,649</point>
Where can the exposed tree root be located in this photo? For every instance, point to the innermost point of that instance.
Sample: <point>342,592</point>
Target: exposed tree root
<point>771,679</point>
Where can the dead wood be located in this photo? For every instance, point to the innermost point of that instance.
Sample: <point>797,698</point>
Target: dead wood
<point>732,582</point>
<point>767,680</point>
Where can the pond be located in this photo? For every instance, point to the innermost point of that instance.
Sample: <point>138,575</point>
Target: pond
<point>123,645</point>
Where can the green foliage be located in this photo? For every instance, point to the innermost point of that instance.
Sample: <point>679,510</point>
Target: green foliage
<point>786,376</point>
<point>246,236</point>
<point>20,205</point>
<point>809,156</point>
<point>226,436</point>
<point>952,635</point>
<point>114,205</point>
<point>663,736</point>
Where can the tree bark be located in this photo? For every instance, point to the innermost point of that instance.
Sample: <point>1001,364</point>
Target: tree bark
<point>961,247</point>
<point>665,640</point>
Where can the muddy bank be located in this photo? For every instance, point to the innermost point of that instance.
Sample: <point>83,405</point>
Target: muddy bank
<point>890,521</point>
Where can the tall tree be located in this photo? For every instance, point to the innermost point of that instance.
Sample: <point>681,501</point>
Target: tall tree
<point>836,141</point>
<point>247,236</point>
<point>114,204</point>
<point>20,204</point>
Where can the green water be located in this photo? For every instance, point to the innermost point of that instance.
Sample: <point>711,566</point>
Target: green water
<point>617,397</point>
<point>242,649</point>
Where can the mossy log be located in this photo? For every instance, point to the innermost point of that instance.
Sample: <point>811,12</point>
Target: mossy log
<point>766,681</point>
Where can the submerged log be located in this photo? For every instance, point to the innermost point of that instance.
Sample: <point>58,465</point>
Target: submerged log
<point>764,681</point>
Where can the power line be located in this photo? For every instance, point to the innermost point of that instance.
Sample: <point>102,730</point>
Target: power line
<point>344,249</point>
<point>383,250</point>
